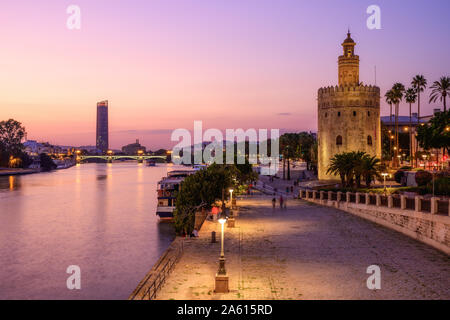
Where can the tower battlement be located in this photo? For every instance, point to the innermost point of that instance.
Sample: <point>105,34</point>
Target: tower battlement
<point>337,89</point>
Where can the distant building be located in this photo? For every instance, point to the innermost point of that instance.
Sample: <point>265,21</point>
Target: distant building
<point>133,148</point>
<point>89,149</point>
<point>404,123</point>
<point>34,148</point>
<point>102,141</point>
<point>348,114</point>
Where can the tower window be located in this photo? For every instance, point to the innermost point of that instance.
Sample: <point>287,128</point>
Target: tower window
<point>368,113</point>
<point>369,140</point>
<point>326,114</point>
<point>339,114</point>
<point>354,113</point>
<point>339,140</point>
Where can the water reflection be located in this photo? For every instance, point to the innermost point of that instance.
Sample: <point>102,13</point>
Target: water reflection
<point>98,216</point>
<point>9,183</point>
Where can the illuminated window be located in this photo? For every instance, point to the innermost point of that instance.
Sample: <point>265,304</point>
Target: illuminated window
<point>369,140</point>
<point>339,140</point>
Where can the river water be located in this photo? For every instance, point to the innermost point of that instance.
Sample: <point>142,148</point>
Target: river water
<point>100,217</point>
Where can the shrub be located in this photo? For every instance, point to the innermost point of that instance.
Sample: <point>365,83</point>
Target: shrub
<point>399,175</point>
<point>423,178</point>
<point>47,163</point>
<point>441,186</point>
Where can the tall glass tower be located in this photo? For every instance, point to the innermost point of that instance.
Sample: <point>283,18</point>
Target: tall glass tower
<point>102,142</point>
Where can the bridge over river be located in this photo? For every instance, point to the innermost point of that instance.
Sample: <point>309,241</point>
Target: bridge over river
<point>111,158</point>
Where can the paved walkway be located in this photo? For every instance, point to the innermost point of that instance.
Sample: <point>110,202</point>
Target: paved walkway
<point>307,252</point>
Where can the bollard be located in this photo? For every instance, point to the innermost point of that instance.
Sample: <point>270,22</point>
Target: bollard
<point>403,202</point>
<point>213,237</point>
<point>390,201</point>
<point>418,203</point>
<point>434,205</point>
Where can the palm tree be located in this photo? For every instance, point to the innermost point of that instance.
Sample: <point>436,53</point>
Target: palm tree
<point>397,95</point>
<point>389,100</point>
<point>338,167</point>
<point>410,97</point>
<point>370,170</point>
<point>419,83</point>
<point>441,89</point>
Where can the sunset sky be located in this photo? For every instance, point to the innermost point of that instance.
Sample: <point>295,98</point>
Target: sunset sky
<point>231,63</point>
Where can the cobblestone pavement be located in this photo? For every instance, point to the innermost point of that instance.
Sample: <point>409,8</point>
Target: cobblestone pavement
<point>307,252</point>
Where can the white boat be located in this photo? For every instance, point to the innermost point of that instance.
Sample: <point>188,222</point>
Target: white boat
<point>167,191</point>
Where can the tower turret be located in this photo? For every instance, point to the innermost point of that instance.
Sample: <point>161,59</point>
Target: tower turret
<point>348,64</point>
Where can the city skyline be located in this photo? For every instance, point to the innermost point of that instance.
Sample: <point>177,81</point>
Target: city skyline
<point>236,66</point>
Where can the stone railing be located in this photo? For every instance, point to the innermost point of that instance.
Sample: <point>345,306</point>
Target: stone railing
<point>425,219</point>
<point>148,288</point>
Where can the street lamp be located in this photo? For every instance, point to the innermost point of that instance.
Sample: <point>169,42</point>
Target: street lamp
<point>424,156</point>
<point>221,276</point>
<point>231,197</point>
<point>384,174</point>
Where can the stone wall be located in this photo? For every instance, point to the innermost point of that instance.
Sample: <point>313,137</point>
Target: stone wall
<point>427,220</point>
<point>351,113</point>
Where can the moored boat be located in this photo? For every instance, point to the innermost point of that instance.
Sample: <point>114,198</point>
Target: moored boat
<point>167,191</point>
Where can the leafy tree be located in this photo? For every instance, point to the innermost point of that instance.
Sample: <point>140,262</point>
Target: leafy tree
<point>290,149</point>
<point>441,89</point>
<point>201,190</point>
<point>423,178</point>
<point>436,133</point>
<point>11,135</point>
<point>308,149</point>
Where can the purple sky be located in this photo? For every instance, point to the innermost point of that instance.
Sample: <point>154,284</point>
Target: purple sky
<point>232,64</point>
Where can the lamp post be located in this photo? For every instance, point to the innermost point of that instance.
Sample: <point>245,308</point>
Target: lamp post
<point>230,222</point>
<point>384,174</point>
<point>424,156</point>
<point>221,276</point>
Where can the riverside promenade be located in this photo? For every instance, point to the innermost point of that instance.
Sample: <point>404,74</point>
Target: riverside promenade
<point>306,251</point>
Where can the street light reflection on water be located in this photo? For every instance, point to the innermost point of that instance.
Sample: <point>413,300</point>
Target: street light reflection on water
<point>100,217</point>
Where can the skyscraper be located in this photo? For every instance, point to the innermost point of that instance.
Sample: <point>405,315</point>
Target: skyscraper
<point>102,142</point>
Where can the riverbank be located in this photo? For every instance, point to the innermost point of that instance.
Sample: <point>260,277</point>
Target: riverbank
<point>306,252</point>
<point>18,171</point>
<point>22,171</point>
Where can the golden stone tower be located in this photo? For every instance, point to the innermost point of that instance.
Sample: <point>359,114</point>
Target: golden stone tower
<point>348,114</point>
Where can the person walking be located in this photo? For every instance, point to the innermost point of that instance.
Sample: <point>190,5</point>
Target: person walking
<point>281,202</point>
<point>274,202</point>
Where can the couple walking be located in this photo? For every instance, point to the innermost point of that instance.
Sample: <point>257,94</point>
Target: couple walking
<point>281,200</point>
